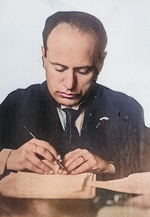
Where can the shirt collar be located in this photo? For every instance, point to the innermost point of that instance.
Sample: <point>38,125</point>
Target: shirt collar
<point>75,107</point>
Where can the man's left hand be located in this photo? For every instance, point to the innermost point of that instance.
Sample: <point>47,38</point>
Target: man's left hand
<point>81,160</point>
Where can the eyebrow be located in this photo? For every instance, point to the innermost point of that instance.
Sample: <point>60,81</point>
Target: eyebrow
<point>76,68</point>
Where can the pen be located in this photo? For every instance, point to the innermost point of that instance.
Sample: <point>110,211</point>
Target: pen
<point>58,161</point>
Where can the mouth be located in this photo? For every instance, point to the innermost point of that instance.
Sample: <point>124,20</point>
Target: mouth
<point>68,96</point>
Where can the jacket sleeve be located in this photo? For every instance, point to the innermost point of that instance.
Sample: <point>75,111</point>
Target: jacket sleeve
<point>9,112</point>
<point>6,124</point>
<point>4,154</point>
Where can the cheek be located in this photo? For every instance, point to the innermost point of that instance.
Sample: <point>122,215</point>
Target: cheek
<point>51,82</point>
<point>50,73</point>
<point>85,81</point>
<point>52,79</point>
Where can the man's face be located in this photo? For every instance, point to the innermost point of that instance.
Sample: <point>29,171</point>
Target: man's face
<point>69,64</point>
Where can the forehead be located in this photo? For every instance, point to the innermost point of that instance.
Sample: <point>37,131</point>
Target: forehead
<point>72,42</point>
<point>63,29</point>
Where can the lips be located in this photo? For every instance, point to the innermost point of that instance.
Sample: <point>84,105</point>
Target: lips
<point>68,96</point>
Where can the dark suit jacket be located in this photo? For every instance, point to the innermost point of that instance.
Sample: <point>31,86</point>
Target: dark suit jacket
<point>118,139</point>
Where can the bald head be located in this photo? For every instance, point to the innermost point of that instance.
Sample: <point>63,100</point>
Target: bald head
<point>80,20</point>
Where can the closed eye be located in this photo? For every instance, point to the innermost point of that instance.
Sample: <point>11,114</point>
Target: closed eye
<point>58,67</point>
<point>84,70</point>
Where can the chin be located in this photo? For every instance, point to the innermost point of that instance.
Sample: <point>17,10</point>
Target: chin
<point>68,102</point>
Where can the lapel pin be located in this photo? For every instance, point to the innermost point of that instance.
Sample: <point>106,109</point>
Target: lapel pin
<point>102,119</point>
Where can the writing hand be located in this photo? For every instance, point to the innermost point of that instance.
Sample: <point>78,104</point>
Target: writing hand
<point>81,160</point>
<point>36,155</point>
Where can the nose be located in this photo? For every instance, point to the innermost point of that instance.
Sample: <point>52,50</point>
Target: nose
<point>69,80</point>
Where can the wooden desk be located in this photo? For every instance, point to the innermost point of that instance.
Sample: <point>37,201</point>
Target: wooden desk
<point>16,207</point>
<point>107,206</point>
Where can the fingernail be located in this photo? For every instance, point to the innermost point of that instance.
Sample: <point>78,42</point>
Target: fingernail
<point>51,172</point>
<point>55,162</point>
<point>59,157</point>
<point>65,172</point>
<point>60,171</point>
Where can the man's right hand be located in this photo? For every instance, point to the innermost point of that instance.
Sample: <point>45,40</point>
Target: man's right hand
<point>36,156</point>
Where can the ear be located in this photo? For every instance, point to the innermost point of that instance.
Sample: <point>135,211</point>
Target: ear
<point>100,63</point>
<point>43,56</point>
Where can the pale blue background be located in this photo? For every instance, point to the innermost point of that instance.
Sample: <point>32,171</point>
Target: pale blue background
<point>127,22</point>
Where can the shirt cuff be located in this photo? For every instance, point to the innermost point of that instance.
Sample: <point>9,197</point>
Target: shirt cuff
<point>4,154</point>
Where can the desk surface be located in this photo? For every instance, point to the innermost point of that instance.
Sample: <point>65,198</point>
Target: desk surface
<point>16,207</point>
<point>107,203</point>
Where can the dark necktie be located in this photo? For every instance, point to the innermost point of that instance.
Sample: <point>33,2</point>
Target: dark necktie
<point>71,130</point>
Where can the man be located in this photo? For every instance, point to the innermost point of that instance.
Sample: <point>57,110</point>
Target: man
<point>109,124</point>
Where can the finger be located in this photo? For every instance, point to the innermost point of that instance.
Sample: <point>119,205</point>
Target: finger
<point>75,164</point>
<point>81,169</point>
<point>45,154</point>
<point>55,167</point>
<point>47,146</point>
<point>62,172</point>
<point>69,154</point>
<point>33,168</point>
<point>79,153</point>
<point>36,162</point>
<point>65,172</point>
